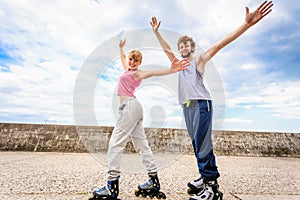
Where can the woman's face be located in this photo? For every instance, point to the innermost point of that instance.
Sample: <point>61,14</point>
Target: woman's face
<point>133,64</point>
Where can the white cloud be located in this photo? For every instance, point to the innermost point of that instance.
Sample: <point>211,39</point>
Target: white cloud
<point>281,98</point>
<point>239,121</point>
<point>50,41</point>
<point>249,66</point>
<point>43,91</point>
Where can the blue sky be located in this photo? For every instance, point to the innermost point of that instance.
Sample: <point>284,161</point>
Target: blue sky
<point>44,45</point>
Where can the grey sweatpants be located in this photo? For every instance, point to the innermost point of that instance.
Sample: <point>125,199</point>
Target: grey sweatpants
<point>129,124</point>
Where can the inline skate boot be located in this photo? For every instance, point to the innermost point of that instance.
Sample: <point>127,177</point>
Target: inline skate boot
<point>195,186</point>
<point>107,192</point>
<point>210,192</point>
<point>150,188</point>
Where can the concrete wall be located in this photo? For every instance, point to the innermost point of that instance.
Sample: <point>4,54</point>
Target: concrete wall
<point>68,138</point>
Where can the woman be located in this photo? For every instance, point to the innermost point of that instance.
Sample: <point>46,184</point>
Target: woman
<point>130,124</point>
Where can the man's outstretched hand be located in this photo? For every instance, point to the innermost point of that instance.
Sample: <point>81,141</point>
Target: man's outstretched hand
<point>255,16</point>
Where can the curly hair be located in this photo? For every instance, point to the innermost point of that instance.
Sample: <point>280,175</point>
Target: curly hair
<point>184,39</point>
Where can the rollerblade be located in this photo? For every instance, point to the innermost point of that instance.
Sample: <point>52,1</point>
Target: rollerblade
<point>210,192</point>
<point>150,188</point>
<point>195,186</point>
<point>107,192</point>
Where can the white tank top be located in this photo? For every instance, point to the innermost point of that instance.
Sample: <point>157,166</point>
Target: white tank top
<point>190,84</point>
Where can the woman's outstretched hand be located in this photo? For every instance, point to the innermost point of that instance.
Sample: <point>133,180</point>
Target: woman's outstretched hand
<point>122,43</point>
<point>178,65</point>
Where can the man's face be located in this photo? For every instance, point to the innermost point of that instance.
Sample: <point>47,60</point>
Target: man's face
<point>185,49</point>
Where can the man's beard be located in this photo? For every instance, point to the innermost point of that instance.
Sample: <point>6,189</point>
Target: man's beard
<point>187,55</point>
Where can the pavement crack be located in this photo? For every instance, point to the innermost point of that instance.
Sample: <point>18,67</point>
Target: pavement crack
<point>23,159</point>
<point>235,196</point>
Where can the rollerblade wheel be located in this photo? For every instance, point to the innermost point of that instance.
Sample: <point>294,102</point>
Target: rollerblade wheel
<point>161,195</point>
<point>137,193</point>
<point>92,197</point>
<point>144,195</point>
<point>191,191</point>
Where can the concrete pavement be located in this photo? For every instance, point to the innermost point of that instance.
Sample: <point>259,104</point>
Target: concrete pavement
<point>27,175</point>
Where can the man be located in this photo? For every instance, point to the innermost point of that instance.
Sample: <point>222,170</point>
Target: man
<point>196,101</point>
